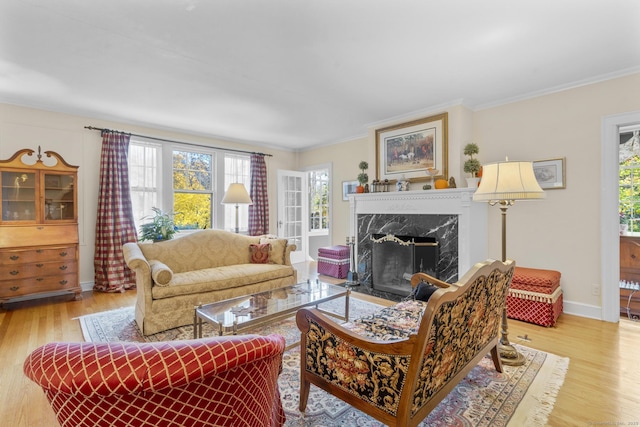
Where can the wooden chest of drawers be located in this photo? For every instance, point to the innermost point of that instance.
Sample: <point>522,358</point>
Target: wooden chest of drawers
<point>28,271</point>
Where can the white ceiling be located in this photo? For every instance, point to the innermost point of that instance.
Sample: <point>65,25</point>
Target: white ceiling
<point>302,73</point>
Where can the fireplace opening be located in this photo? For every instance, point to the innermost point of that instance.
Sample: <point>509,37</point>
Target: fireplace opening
<point>396,258</point>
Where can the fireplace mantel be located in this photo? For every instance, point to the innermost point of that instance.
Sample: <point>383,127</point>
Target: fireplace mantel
<point>472,216</point>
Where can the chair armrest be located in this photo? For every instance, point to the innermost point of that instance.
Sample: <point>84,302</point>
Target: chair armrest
<point>424,277</point>
<point>100,369</point>
<point>134,258</point>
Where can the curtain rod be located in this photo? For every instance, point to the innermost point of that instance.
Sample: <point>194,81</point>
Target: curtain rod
<point>173,140</point>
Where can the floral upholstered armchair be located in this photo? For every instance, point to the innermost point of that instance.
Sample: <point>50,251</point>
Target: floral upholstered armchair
<point>399,363</point>
<point>223,381</point>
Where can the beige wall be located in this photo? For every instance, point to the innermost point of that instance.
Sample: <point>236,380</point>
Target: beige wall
<point>560,232</point>
<point>65,134</point>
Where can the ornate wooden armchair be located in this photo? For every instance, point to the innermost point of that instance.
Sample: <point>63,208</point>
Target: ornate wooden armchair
<point>398,364</point>
<point>223,381</point>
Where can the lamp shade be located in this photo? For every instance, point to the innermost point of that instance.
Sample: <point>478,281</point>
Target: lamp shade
<point>237,195</point>
<point>508,181</point>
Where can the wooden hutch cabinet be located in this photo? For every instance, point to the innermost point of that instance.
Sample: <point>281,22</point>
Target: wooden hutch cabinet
<point>38,226</point>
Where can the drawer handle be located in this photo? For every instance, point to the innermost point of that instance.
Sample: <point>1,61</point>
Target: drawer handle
<point>39,279</point>
<point>14,288</point>
<point>39,265</point>
<point>63,267</point>
<point>14,257</point>
<point>39,251</point>
<point>633,256</point>
<point>14,272</point>
<point>63,282</point>
<point>40,228</point>
<point>63,254</point>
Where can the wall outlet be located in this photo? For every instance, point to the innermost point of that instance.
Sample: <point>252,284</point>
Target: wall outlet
<point>595,290</point>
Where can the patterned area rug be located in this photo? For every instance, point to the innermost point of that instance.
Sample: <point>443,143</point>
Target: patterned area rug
<point>520,396</point>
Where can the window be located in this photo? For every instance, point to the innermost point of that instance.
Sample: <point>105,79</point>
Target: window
<point>319,201</point>
<point>144,178</point>
<point>193,184</point>
<point>237,168</point>
<point>629,185</point>
<point>195,194</point>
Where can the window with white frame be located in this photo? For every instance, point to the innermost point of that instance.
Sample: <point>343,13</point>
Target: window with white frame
<point>193,189</point>
<point>194,193</point>
<point>319,201</point>
<point>237,169</point>
<point>144,178</point>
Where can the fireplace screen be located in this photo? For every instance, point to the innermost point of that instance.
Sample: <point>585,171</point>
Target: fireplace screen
<point>396,258</point>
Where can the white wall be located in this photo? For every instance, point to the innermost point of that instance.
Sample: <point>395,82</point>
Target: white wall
<point>65,134</point>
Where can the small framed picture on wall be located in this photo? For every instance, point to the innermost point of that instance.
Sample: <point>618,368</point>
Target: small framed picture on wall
<point>348,187</point>
<point>550,173</point>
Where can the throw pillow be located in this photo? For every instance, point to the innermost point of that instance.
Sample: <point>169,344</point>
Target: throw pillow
<point>424,291</point>
<point>259,253</point>
<point>160,272</point>
<point>278,249</point>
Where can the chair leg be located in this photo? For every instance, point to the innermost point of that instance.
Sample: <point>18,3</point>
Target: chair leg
<point>495,356</point>
<point>305,385</point>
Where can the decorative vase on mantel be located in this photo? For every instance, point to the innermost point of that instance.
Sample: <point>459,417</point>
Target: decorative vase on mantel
<point>473,182</point>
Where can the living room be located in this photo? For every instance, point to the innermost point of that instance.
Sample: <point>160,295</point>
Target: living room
<point>574,230</point>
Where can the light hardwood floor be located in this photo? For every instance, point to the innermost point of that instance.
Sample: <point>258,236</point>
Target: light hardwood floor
<point>601,387</point>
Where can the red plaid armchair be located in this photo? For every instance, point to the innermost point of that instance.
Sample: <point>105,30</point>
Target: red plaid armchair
<point>223,381</point>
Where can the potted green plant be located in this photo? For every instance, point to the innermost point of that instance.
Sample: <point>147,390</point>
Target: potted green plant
<point>160,228</point>
<point>363,178</point>
<point>472,165</point>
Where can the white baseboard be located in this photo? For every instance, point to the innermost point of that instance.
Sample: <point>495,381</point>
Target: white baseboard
<point>87,286</point>
<point>582,310</point>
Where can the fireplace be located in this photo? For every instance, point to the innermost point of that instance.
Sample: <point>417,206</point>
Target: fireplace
<point>396,258</point>
<point>449,216</point>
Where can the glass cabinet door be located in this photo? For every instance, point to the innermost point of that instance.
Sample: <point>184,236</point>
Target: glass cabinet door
<point>59,199</point>
<point>18,196</point>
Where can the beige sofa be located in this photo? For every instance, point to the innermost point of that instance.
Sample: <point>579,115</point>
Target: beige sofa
<point>173,277</point>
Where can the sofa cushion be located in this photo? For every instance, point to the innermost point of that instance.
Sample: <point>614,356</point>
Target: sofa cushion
<point>424,291</point>
<point>391,323</point>
<point>161,274</point>
<point>259,253</point>
<point>219,278</point>
<point>278,249</point>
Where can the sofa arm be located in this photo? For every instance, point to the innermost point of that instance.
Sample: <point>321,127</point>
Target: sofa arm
<point>352,363</point>
<point>287,254</point>
<point>134,257</point>
<point>102,369</point>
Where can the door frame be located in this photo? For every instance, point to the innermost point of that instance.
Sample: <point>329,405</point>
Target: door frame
<point>609,228</point>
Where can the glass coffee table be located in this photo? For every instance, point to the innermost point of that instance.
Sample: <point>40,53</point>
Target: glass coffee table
<point>238,314</point>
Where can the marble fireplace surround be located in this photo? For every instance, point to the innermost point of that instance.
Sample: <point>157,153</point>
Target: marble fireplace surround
<point>450,215</point>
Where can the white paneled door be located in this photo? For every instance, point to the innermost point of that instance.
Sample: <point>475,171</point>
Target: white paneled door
<point>293,211</point>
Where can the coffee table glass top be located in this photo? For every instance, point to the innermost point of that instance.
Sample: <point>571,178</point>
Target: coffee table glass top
<point>248,310</point>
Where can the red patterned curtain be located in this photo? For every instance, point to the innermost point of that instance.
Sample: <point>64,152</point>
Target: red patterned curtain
<point>259,210</point>
<point>114,225</point>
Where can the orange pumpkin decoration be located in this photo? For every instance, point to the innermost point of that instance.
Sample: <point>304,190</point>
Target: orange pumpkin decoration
<point>441,183</point>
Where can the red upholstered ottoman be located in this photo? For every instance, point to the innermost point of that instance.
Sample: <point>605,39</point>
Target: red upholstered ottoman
<point>535,296</point>
<point>334,261</point>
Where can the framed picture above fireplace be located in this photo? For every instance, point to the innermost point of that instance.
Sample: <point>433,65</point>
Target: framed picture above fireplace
<point>407,150</point>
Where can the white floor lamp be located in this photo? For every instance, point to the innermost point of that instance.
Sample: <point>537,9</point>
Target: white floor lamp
<point>502,184</point>
<point>236,195</point>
